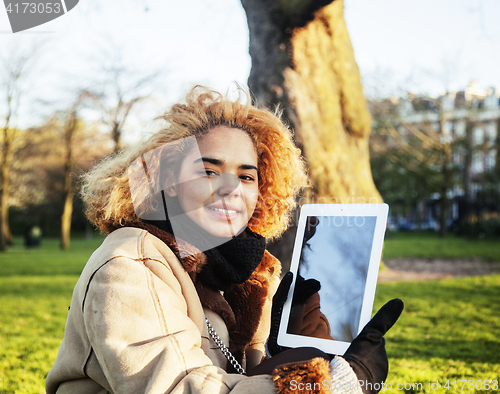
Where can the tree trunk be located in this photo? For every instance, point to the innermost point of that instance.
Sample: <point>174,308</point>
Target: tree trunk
<point>69,130</point>
<point>443,215</point>
<point>66,221</point>
<point>116,135</point>
<point>497,166</point>
<point>497,149</point>
<point>302,58</point>
<point>5,234</point>
<point>68,200</point>
<point>4,207</point>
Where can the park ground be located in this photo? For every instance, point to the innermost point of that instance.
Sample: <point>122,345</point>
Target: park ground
<point>447,339</point>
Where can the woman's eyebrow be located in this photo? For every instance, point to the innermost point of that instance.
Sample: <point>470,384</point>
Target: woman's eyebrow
<point>219,162</point>
<point>216,162</point>
<point>248,167</point>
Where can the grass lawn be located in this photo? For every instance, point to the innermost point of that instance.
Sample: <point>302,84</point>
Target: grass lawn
<point>35,292</point>
<point>430,245</point>
<point>32,317</point>
<point>449,331</point>
<point>49,259</point>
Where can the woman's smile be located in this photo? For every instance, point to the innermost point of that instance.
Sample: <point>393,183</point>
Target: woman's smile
<point>217,186</point>
<point>227,213</point>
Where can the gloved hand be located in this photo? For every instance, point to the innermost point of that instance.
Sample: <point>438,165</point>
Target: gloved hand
<point>295,355</point>
<point>303,290</point>
<point>366,355</point>
<point>276,311</point>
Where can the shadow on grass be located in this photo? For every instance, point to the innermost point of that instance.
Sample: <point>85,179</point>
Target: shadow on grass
<point>447,349</point>
<point>37,287</point>
<point>49,259</point>
<point>452,319</point>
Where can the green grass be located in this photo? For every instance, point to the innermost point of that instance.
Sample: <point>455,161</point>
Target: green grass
<point>32,316</point>
<point>49,259</point>
<point>35,292</point>
<point>430,245</point>
<point>450,329</point>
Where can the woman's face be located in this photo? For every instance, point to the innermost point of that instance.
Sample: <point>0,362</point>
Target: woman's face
<point>219,190</point>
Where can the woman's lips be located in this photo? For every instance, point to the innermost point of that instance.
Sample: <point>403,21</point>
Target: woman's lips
<point>227,214</point>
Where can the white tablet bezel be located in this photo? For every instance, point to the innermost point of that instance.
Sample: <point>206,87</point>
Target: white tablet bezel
<point>380,211</point>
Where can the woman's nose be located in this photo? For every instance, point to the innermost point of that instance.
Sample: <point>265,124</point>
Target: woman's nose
<point>228,184</point>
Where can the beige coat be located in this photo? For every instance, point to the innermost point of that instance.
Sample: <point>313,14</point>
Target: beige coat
<point>137,325</point>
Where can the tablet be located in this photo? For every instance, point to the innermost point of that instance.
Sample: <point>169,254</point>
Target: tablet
<point>338,248</point>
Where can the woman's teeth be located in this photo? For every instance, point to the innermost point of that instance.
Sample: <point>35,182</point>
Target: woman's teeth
<point>226,211</point>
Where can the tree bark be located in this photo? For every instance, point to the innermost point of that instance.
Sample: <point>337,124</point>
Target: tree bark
<point>66,221</point>
<point>5,234</point>
<point>15,67</point>
<point>302,59</point>
<point>116,136</point>
<point>443,214</point>
<point>69,130</point>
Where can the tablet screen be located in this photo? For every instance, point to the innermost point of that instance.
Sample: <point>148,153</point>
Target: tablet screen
<point>336,252</point>
<point>335,263</point>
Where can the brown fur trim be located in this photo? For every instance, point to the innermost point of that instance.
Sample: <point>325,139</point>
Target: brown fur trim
<point>268,267</point>
<point>213,300</point>
<point>247,301</point>
<point>241,307</point>
<point>310,376</point>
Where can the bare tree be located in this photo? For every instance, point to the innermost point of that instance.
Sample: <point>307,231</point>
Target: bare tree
<point>419,148</point>
<point>120,89</point>
<point>79,146</point>
<point>302,59</point>
<point>69,129</point>
<point>60,150</point>
<point>15,65</point>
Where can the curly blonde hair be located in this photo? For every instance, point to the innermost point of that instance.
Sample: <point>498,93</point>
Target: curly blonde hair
<point>107,194</point>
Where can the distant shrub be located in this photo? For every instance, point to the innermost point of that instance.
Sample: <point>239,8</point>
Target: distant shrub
<point>486,226</point>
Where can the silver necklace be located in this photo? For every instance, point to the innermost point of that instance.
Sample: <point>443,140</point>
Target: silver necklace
<point>225,351</point>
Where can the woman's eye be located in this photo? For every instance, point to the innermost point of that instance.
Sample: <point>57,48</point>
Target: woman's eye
<point>209,173</point>
<point>247,178</point>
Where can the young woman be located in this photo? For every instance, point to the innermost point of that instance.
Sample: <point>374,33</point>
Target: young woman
<point>178,298</point>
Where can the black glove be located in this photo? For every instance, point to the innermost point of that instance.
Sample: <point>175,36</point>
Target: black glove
<point>276,310</point>
<point>366,355</point>
<point>303,290</point>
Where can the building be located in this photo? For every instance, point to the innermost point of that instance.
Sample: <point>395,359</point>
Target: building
<point>464,126</point>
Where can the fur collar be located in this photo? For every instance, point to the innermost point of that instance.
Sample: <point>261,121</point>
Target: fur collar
<point>241,307</point>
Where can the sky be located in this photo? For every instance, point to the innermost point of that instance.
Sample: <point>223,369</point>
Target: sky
<point>426,46</point>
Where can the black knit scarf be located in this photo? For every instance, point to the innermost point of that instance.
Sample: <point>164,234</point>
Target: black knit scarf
<point>229,263</point>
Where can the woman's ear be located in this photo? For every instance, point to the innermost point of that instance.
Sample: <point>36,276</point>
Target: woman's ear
<point>170,188</point>
<point>171,191</point>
